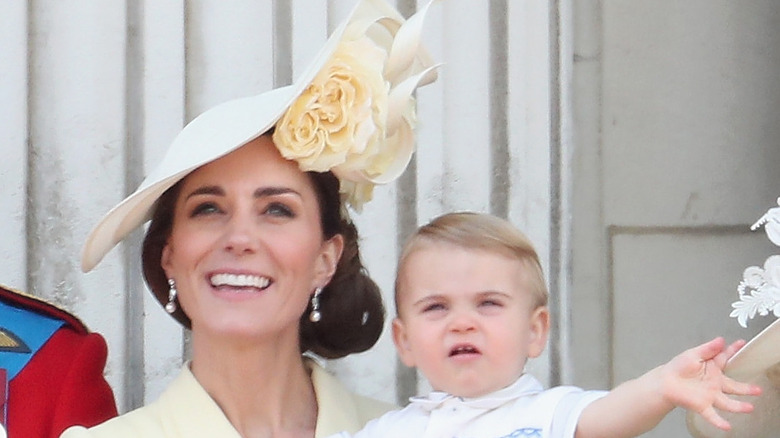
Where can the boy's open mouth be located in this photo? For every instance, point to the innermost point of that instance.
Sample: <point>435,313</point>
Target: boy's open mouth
<point>463,349</point>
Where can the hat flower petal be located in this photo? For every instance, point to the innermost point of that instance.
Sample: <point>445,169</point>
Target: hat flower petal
<point>356,115</point>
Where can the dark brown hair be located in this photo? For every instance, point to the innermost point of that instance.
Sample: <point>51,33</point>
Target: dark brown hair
<point>351,304</point>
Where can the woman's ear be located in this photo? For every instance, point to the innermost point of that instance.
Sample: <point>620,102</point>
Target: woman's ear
<point>401,341</point>
<point>165,260</point>
<point>539,329</point>
<point>329,259</point>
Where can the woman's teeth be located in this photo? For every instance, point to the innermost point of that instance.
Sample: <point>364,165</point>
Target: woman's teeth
<point>240,280</point>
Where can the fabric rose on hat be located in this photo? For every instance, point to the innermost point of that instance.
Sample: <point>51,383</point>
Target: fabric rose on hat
<point>356,116</point>
<point>340,119</point>
<point>356,193</point>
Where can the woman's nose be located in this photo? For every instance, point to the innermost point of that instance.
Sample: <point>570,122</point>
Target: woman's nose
<point>240,235</point>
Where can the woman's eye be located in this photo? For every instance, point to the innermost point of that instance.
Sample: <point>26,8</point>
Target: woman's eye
<point>279,209</point>
<point>205,208</point>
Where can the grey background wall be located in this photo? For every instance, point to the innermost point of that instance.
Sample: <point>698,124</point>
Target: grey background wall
<point>676,155</point>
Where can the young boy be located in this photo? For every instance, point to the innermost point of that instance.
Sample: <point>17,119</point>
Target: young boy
<point>471,302</point>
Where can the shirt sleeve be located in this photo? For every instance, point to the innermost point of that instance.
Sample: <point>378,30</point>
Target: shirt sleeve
<point>568,411</point>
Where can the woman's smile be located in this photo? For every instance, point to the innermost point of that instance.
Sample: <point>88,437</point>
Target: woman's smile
<point>232,287</point>
<point>247,282</point>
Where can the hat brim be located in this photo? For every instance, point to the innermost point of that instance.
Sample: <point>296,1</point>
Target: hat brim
<point>758,363</point>
<point>230,125</point>
<point>213,134</point>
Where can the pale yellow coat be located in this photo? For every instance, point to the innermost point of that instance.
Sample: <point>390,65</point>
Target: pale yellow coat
<point>186,410</point>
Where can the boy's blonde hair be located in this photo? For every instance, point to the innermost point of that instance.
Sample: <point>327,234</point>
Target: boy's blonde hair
<point>470,230</point>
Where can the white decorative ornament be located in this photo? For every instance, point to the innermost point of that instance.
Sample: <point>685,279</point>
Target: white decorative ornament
<point>771,223</point>
<point>759,290</point>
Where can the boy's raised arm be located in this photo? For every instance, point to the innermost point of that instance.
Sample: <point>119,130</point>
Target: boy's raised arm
<point>693,380</point>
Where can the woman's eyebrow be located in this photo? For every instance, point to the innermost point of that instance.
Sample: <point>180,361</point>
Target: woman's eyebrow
<point>273,191</point>
<point>206,190</point>
<point>259,193</point>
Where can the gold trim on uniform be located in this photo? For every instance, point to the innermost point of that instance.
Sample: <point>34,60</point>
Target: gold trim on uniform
<point>11,343</point>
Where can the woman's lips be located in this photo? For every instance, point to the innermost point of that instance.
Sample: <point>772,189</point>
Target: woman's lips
<point>239,281</point>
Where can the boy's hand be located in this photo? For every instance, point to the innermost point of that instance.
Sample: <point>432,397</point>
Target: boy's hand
<point>695,381</point>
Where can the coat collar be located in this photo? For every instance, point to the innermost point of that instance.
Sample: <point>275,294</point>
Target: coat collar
<point>203,417</point>
<point>523,386</point>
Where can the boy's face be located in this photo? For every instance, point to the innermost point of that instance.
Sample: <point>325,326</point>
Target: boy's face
<point>467,318</point>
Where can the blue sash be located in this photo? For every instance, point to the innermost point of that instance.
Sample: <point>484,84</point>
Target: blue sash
<point>28,331</point>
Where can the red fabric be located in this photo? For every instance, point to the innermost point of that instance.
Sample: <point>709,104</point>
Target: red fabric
<point>63,384</point>
<point>3,387</point>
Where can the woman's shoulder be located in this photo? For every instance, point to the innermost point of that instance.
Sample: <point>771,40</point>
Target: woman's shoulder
<point>140,422</point>
<point>340,409</point>
<point>183,409</point>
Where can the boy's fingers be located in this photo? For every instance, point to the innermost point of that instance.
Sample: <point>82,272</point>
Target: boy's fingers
<point>731,386</point>
<point>736,346</point>
<point>731,405</point>
<point>730,351</point>
<point>709,350</point>
<point>716,420</point>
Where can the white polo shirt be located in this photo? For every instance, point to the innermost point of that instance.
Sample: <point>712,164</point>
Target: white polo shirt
<point>522,410</point>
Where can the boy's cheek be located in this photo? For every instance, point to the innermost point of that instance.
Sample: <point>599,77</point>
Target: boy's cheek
<point>401,341</point>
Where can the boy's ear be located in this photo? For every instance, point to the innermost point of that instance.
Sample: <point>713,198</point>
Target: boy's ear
<point>539,329</point>
<point>402,343</point>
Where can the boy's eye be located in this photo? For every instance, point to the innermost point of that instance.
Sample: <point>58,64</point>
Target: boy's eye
<point>279,209</point>
<point>433,307</point>
<point>490,303</point>
<point>205,208</point>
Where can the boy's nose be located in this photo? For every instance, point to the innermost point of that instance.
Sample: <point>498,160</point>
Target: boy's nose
<point>462,322</point>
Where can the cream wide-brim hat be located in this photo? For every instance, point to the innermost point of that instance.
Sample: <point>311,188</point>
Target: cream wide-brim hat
<point>758,362</point>
<point>230,125</point>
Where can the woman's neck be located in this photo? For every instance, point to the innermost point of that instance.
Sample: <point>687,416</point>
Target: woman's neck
<point>263,388</point>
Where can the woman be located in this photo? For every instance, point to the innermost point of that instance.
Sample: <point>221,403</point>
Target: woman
<point>250,246</point>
